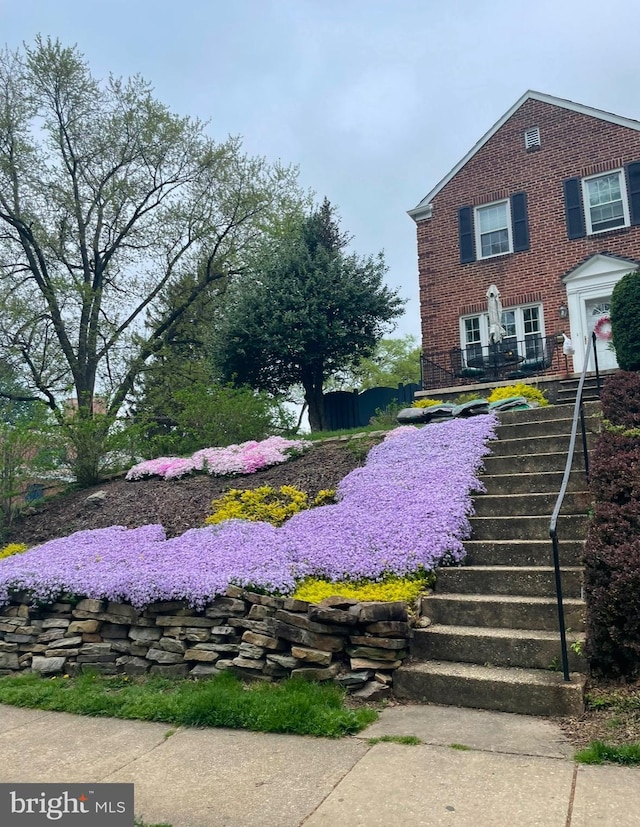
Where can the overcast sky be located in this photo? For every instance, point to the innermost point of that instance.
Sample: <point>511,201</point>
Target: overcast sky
<point>374,101</point>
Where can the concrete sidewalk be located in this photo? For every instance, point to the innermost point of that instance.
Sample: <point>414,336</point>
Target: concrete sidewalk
<point>473,768</point>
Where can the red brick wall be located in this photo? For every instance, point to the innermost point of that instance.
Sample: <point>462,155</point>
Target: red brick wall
<point>572,144</point>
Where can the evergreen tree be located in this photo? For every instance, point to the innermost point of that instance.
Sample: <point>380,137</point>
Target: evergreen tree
<point>311,310</point>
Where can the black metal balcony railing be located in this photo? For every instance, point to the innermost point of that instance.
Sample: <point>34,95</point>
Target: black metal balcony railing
<point>509,359</point>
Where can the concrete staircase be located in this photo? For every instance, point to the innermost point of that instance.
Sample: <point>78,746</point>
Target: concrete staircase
<point>492,641</point>
<point>568,388</point>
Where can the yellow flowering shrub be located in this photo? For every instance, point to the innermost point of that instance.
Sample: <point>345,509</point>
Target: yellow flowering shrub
<point>12,548</point>
<point>264,504</point>
<point>390,589</point>
<point>521,389</point>
<point>426,403</point>
<point>325,496</point>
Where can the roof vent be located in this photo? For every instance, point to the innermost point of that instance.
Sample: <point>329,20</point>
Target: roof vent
<point>532,138</point>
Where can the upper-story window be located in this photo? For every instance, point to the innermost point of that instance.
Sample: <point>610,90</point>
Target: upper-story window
<point>493,230</point>
<point>605,202</point>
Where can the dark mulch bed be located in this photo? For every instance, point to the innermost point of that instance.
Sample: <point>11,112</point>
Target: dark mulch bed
<point>181,504</point>
<point>612,715</point>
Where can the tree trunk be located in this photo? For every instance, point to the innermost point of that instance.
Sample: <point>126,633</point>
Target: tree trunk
<point>314,398</point>
<point>87,434</point>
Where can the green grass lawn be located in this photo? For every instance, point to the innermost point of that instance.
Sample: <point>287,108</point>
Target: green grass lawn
<point>618,713</point>
<point>598,753</point>
<point>293,706</point>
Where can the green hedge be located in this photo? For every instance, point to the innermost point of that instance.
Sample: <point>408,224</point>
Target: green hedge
<point>625,321</point>
<point>612,550</point>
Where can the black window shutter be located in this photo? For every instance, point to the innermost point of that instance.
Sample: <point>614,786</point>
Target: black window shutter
<point>573,208</point>
<point>520,222</point>
<point>633,179</point>
<point>465,232</point>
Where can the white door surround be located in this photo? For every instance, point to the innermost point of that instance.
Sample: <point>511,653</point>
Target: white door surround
<point>589,288</point>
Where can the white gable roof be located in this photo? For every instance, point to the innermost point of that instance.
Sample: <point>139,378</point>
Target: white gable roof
<point>423,209</point>
<point>597,264</point>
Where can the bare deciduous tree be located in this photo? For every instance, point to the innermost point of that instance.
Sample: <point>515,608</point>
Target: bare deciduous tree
<point>106,200</point>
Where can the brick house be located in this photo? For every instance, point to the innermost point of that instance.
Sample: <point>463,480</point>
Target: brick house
<point>545,207</point>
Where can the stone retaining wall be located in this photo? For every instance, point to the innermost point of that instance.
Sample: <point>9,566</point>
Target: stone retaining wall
<point>256,636</point>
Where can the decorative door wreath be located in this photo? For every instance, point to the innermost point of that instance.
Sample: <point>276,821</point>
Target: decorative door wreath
<point>602,328</point>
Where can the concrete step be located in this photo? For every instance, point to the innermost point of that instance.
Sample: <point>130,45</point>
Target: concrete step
<point>548,412</point>
<point>570,527</point>
<point>531,581</point>
<point>570,386</point>
<point>531,504</point>
<point>568,389</point>
<point>524,446</point>
<point>525,691</point>
<point>568,397</point>
<point>543,481</point>
<point>544,427</point>
<point>526,648</point>
<point>521,552</point>
<point>502,611</point>
<point>531,463</point>
<point>590,381</point>
<point>590,378</point>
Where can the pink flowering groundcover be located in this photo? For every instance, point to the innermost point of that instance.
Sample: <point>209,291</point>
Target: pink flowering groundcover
<point>246,458</point>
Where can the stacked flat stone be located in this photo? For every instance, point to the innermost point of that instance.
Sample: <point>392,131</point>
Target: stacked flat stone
<point>256,636</point>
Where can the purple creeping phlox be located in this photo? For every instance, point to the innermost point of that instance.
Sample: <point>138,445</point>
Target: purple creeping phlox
<point>406,509</point>
<point>246,458</point>
<point>140,566</point>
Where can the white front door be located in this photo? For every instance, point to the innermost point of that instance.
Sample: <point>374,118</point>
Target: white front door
<point>589,288</point>
<point>596,309</point>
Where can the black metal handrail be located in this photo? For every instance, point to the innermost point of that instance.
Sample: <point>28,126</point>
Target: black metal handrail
<point>578,413</point>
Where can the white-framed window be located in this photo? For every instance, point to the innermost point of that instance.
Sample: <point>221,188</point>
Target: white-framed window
<point>523,335</point>
<point>492,224</point>
<point>472,337</point>
<point>605,202</point>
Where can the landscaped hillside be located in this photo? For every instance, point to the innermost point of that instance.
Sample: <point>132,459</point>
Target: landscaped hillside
<point>181,504</point>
